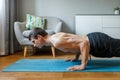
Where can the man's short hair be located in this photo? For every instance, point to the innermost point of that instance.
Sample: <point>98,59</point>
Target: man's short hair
<point>37,31</point>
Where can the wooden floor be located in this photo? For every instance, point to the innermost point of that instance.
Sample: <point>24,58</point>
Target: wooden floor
<point>7,60</point>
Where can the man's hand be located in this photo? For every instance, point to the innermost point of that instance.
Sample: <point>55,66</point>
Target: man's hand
<point>77,67</point>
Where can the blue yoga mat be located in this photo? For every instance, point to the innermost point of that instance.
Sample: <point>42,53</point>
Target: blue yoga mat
<point>59,65</point>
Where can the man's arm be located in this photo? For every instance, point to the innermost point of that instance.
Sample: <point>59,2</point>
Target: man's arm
<point>85,53</point>
<point>84,48</point>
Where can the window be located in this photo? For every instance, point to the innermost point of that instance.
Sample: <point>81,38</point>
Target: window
<point>0,5</point>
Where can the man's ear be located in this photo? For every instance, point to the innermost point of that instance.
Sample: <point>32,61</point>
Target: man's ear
<point>39,37</point>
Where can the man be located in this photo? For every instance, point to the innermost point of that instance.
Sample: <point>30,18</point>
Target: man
<point>97,44</point>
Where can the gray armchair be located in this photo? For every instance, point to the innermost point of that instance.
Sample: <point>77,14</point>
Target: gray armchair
<point>53,25</point>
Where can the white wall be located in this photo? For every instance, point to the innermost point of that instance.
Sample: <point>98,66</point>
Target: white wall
<point>66,9</point>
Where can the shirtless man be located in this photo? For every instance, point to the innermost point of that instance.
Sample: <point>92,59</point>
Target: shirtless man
<point>97,44</point>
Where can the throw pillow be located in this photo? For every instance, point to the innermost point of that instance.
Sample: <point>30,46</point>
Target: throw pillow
<point>34,21</point>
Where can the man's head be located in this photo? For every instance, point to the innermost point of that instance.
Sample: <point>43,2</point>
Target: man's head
<point>36,36</point>
<point>37,31</point>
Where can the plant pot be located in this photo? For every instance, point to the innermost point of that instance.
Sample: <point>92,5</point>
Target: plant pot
<point>116,12</point>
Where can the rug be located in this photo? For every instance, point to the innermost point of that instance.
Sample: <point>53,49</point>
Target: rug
<point>59,65</point>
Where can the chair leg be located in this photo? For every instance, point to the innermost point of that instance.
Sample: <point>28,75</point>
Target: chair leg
<point>53,51</point>
<point>25,51</point>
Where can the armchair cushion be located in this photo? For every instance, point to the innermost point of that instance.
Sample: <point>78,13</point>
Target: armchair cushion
<point>34,21</point>
<point>26,33</point>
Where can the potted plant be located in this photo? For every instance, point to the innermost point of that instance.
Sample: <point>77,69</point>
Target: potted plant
<point>116,10</point>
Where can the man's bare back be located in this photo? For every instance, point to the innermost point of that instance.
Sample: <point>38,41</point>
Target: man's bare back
<point>67,42</point>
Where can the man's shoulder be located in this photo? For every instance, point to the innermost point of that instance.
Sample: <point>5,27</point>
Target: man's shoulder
<point>59,35</point>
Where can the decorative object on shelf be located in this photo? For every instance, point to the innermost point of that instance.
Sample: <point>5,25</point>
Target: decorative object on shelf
<point>116,10</point>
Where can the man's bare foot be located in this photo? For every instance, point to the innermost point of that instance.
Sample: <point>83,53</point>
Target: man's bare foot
<point>77,67</point>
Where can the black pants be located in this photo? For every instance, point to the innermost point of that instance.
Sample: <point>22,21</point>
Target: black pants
<point>102,45</point>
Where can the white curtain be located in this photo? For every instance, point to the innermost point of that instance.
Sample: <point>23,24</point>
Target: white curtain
<point>2,25</point>
<point>8,15</point>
